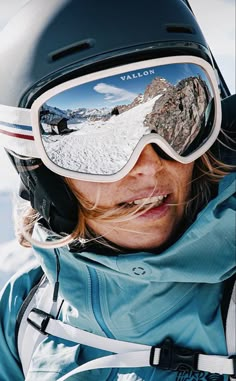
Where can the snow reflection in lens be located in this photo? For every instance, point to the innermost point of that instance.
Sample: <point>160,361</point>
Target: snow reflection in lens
<point>95,127</point>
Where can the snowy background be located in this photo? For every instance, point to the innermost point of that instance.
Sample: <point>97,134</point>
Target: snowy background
<point>217,19</point>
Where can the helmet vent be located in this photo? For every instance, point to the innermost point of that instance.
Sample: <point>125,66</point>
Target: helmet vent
<point>173,28</point>
<point>71,49</point>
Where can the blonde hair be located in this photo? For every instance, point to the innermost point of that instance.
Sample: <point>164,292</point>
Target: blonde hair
<point>208,171</point>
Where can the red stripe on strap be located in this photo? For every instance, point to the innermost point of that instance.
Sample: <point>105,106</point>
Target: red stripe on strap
<point>27,137</point>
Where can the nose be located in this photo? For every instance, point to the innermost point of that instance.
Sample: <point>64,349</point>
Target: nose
<point>148,163</point>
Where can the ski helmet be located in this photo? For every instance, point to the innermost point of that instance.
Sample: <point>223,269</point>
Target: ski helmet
<point>49,42</point>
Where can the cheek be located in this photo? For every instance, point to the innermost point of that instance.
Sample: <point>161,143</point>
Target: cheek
<point>83,189</point>
<point>188,174</point>
<point>95,193</point>
<point>182,175</point>
<point>186,182</point>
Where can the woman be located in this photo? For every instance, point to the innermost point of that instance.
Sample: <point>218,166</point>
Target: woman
<point>132,218</point>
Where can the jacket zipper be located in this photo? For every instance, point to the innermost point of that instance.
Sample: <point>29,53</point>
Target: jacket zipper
<point>97,311</point>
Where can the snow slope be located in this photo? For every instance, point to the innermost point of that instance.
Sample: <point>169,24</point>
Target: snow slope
<point>13,257</point>
<point>93,148</point>
<point>6,219</point>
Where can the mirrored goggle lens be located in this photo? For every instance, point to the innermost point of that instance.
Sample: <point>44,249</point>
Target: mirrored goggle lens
<point>94,127</point>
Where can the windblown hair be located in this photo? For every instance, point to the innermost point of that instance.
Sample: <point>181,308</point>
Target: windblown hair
<point>208,171</point>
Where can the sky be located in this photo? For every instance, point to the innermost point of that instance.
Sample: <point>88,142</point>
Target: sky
<point>217,20</point>
<point>121,88</point>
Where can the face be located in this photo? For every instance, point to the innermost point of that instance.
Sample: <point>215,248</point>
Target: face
<point>168,182</point>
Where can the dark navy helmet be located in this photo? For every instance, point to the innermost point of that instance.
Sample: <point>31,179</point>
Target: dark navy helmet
<point>49,42</point>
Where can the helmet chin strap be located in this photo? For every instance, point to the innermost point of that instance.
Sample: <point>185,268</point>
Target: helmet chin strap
<point>48,194</point>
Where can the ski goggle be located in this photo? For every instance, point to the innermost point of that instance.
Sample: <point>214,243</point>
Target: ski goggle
<point>94,127</point>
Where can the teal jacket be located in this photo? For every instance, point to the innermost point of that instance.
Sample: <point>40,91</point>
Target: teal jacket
<point>138,297</point>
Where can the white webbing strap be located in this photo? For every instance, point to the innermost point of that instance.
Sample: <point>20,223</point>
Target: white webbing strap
<point>141,359</point>
<point>28,337</point>
<point>67,332</point>
<point>121,360</point>
<point>127,354</point>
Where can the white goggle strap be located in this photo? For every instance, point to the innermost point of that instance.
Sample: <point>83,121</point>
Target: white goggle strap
<point>127,354</point>
<point>16,131</point>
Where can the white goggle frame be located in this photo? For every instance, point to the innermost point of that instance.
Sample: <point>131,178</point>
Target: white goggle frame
<point>22,139</point>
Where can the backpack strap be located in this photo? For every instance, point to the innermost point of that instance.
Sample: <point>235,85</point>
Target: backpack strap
<point>228,294</point>
<point>27,337</point>
<point>228,309</point>
<point>39,318</point>
<point>231,322</point>
<point>127,354</point>
<point>25,304</point>
<point>231,327</point>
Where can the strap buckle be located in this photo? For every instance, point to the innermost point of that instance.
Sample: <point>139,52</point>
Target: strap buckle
<point>174,357</point>
<point>39,320</point>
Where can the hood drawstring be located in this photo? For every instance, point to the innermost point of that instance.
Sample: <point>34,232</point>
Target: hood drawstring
<point>56,285</point>
<point>58,268</point>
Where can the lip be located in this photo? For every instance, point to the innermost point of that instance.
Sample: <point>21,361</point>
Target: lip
<point>156,212</point>
<point>146,194</point>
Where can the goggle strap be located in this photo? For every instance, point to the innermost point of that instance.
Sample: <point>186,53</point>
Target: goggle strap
<point>16,131</point>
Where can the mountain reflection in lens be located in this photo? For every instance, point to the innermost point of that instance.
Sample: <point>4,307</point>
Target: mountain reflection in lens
<point>94,127</point>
